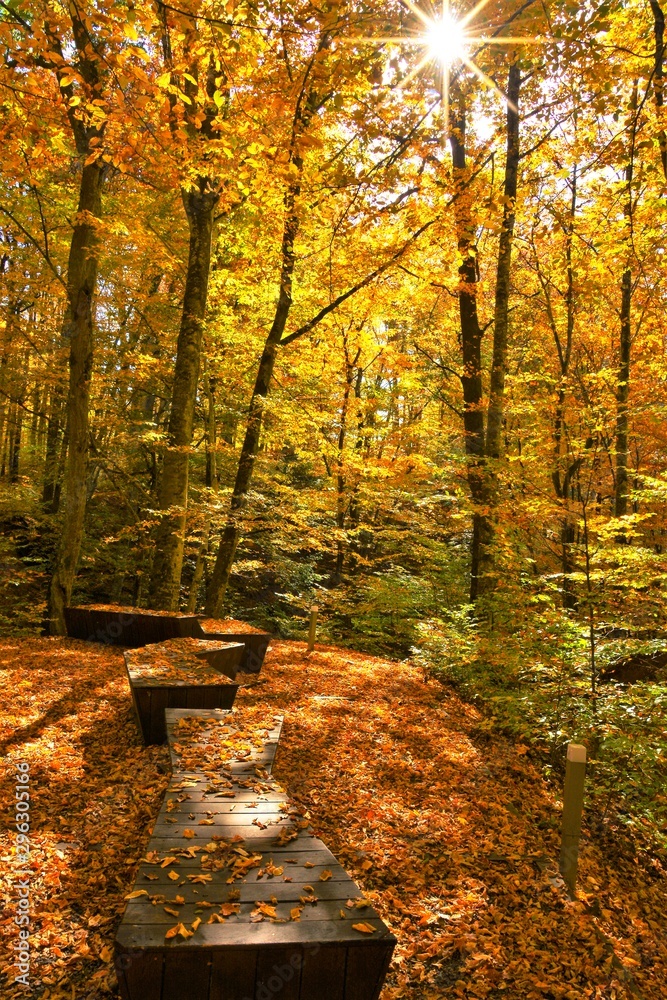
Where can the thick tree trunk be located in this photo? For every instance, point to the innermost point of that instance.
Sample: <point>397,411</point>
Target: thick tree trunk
<point>78,329</point>
<point>165,582</point>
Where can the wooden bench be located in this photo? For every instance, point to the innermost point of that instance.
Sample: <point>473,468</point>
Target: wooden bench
<point>235,898</point>
<point>180,673</point>
<point>133,627</point>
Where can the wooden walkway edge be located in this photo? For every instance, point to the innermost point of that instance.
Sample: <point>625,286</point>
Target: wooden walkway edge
<point>180,673</point>
<point>133,627</point>
<point>235,898</point>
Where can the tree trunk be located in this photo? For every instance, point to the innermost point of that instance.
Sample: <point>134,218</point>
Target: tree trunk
<point>198,575</point>
<point>165,582</point>
<point>625,338</point>
<point>219,581</point>
<point>341,485</point>
<point>15,445</point>
<point>78,329</point>
<point>471,352</point>
<point>658,74</point>
<point>212,476</point>
<point>622,395</point>
<point>501,312</point>
<point>52,467</point>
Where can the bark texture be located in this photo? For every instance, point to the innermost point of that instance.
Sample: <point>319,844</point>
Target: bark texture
<point>625,334</point>
<point>164,593</point>
<point>78,330</point>
<point>484,444</point>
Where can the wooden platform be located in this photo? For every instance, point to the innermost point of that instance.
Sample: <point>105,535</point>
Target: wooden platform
<point>256,645</point>
<point>133,627</point>
<point>180,673</point>
<point>235,899</point>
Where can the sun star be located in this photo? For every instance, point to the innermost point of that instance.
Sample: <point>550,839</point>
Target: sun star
<point>447,40</point>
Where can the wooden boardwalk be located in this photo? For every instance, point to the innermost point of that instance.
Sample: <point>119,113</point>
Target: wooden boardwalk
<point>180,673</point>
<point>133,627</point>
<point>235,898</point>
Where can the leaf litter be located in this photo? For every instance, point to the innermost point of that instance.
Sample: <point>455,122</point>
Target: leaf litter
<point>454,841</point>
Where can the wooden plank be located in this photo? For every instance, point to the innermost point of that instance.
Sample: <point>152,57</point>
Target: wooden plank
<point>187,974</point>
<point>141,911</point>
<point>143,701</point>
<point>195,697</point>
<point>278,973</point>
<point>256,645</point>
<point>233,974</point>
<point>129,627</point>
<point>151,936</point>
<point>323,973</point>
<point>159,702</point>
<point>261,844</point>
<point>299,874</point>
<point>365,971</point>
<point>218,892</point>
<point>141,974</point>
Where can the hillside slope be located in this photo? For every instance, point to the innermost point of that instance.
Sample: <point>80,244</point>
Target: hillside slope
<point>453,835</point>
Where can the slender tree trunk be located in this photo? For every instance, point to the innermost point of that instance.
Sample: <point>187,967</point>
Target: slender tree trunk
<point>341,485</point>
<point>230,536</point>
<point>164,593</point>
<point>622,395</point>
<point>308,103</point>
<point>494,423</point>
<point>212,477</point>
<point>471,349</point>
<point>198,575</point>
<point>625,338</point>
<point>15,444</point>
<point>51,476</point>
<point>78,330</point>
<point>659,74</point>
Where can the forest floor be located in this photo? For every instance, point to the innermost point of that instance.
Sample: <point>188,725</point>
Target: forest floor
<point>452,834</point>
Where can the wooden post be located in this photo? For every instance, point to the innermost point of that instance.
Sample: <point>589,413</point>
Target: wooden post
<point>573,804</point>
<point>313,626</point>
